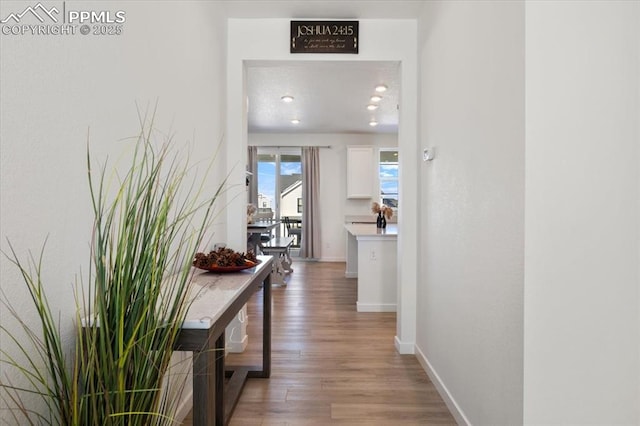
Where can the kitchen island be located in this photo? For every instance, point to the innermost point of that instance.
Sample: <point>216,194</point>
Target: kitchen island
<point>372,258</point>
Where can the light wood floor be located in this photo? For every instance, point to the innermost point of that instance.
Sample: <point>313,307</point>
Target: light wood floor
<point>331,364</point>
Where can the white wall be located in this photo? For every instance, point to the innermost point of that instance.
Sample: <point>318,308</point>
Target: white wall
<point>334,205</point>
<point>56,87</point>
<point>548,334</point>
<point>470,293</point>
<point>581,358</point>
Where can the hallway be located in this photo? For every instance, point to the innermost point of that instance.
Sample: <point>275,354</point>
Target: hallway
<point>332,365</point>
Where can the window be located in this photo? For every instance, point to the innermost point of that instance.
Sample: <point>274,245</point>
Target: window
<point>299,205</point>
<point>388,175</point>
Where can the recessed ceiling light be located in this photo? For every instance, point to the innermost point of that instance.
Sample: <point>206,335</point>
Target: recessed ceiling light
<point>376,98</point>
<point>295,121</point>
<point>381,88</point>
<point>373,123</point>
<point>287,98</point>
<point>371,107</point>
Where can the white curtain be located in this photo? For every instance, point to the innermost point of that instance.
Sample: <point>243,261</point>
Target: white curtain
<point>310,244</point>
<point>252,167</point>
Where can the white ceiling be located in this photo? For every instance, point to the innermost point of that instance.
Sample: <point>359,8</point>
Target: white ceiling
<point>329,97</point>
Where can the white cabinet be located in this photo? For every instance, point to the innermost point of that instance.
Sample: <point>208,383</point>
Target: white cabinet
<point>360,172</point>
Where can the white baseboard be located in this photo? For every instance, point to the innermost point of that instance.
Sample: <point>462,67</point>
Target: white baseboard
<point>376,307</point>
<point>451,403</point>
<point>349,274</point>
<point>332,259</point>
<point>404,348</point>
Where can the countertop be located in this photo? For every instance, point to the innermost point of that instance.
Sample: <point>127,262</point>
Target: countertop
<point>369,218</point>
<point>213,293</point>
<point>370,230</point>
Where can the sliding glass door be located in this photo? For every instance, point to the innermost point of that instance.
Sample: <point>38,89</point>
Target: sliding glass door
<point>280,188</point>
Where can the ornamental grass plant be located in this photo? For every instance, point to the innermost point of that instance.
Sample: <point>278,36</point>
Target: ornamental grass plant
<point>147,228</point>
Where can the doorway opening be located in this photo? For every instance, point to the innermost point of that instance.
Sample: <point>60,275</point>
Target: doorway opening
<point>251,45</point>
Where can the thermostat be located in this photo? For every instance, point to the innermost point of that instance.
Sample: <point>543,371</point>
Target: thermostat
<point>427,154</point>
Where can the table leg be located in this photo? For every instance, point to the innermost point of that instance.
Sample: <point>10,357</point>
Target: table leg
<point>204,387</point>
<point>266,328</point>
<point>220,377</point>
<point>254,244</point>
<point>277,276</point>
<point>279,269</point>
<point>287,261</point>
<point>265,371</point>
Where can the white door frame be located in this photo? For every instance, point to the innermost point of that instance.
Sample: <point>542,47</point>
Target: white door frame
<point>395,40</point>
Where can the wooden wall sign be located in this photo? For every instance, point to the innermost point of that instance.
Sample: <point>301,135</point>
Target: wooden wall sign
<point>324,37</point>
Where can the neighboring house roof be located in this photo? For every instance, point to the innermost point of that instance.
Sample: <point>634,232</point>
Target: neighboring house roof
<point>287,180</point>
<point>291,187</point>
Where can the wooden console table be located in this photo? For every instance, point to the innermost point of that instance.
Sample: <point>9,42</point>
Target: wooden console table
<point>217,300</point>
